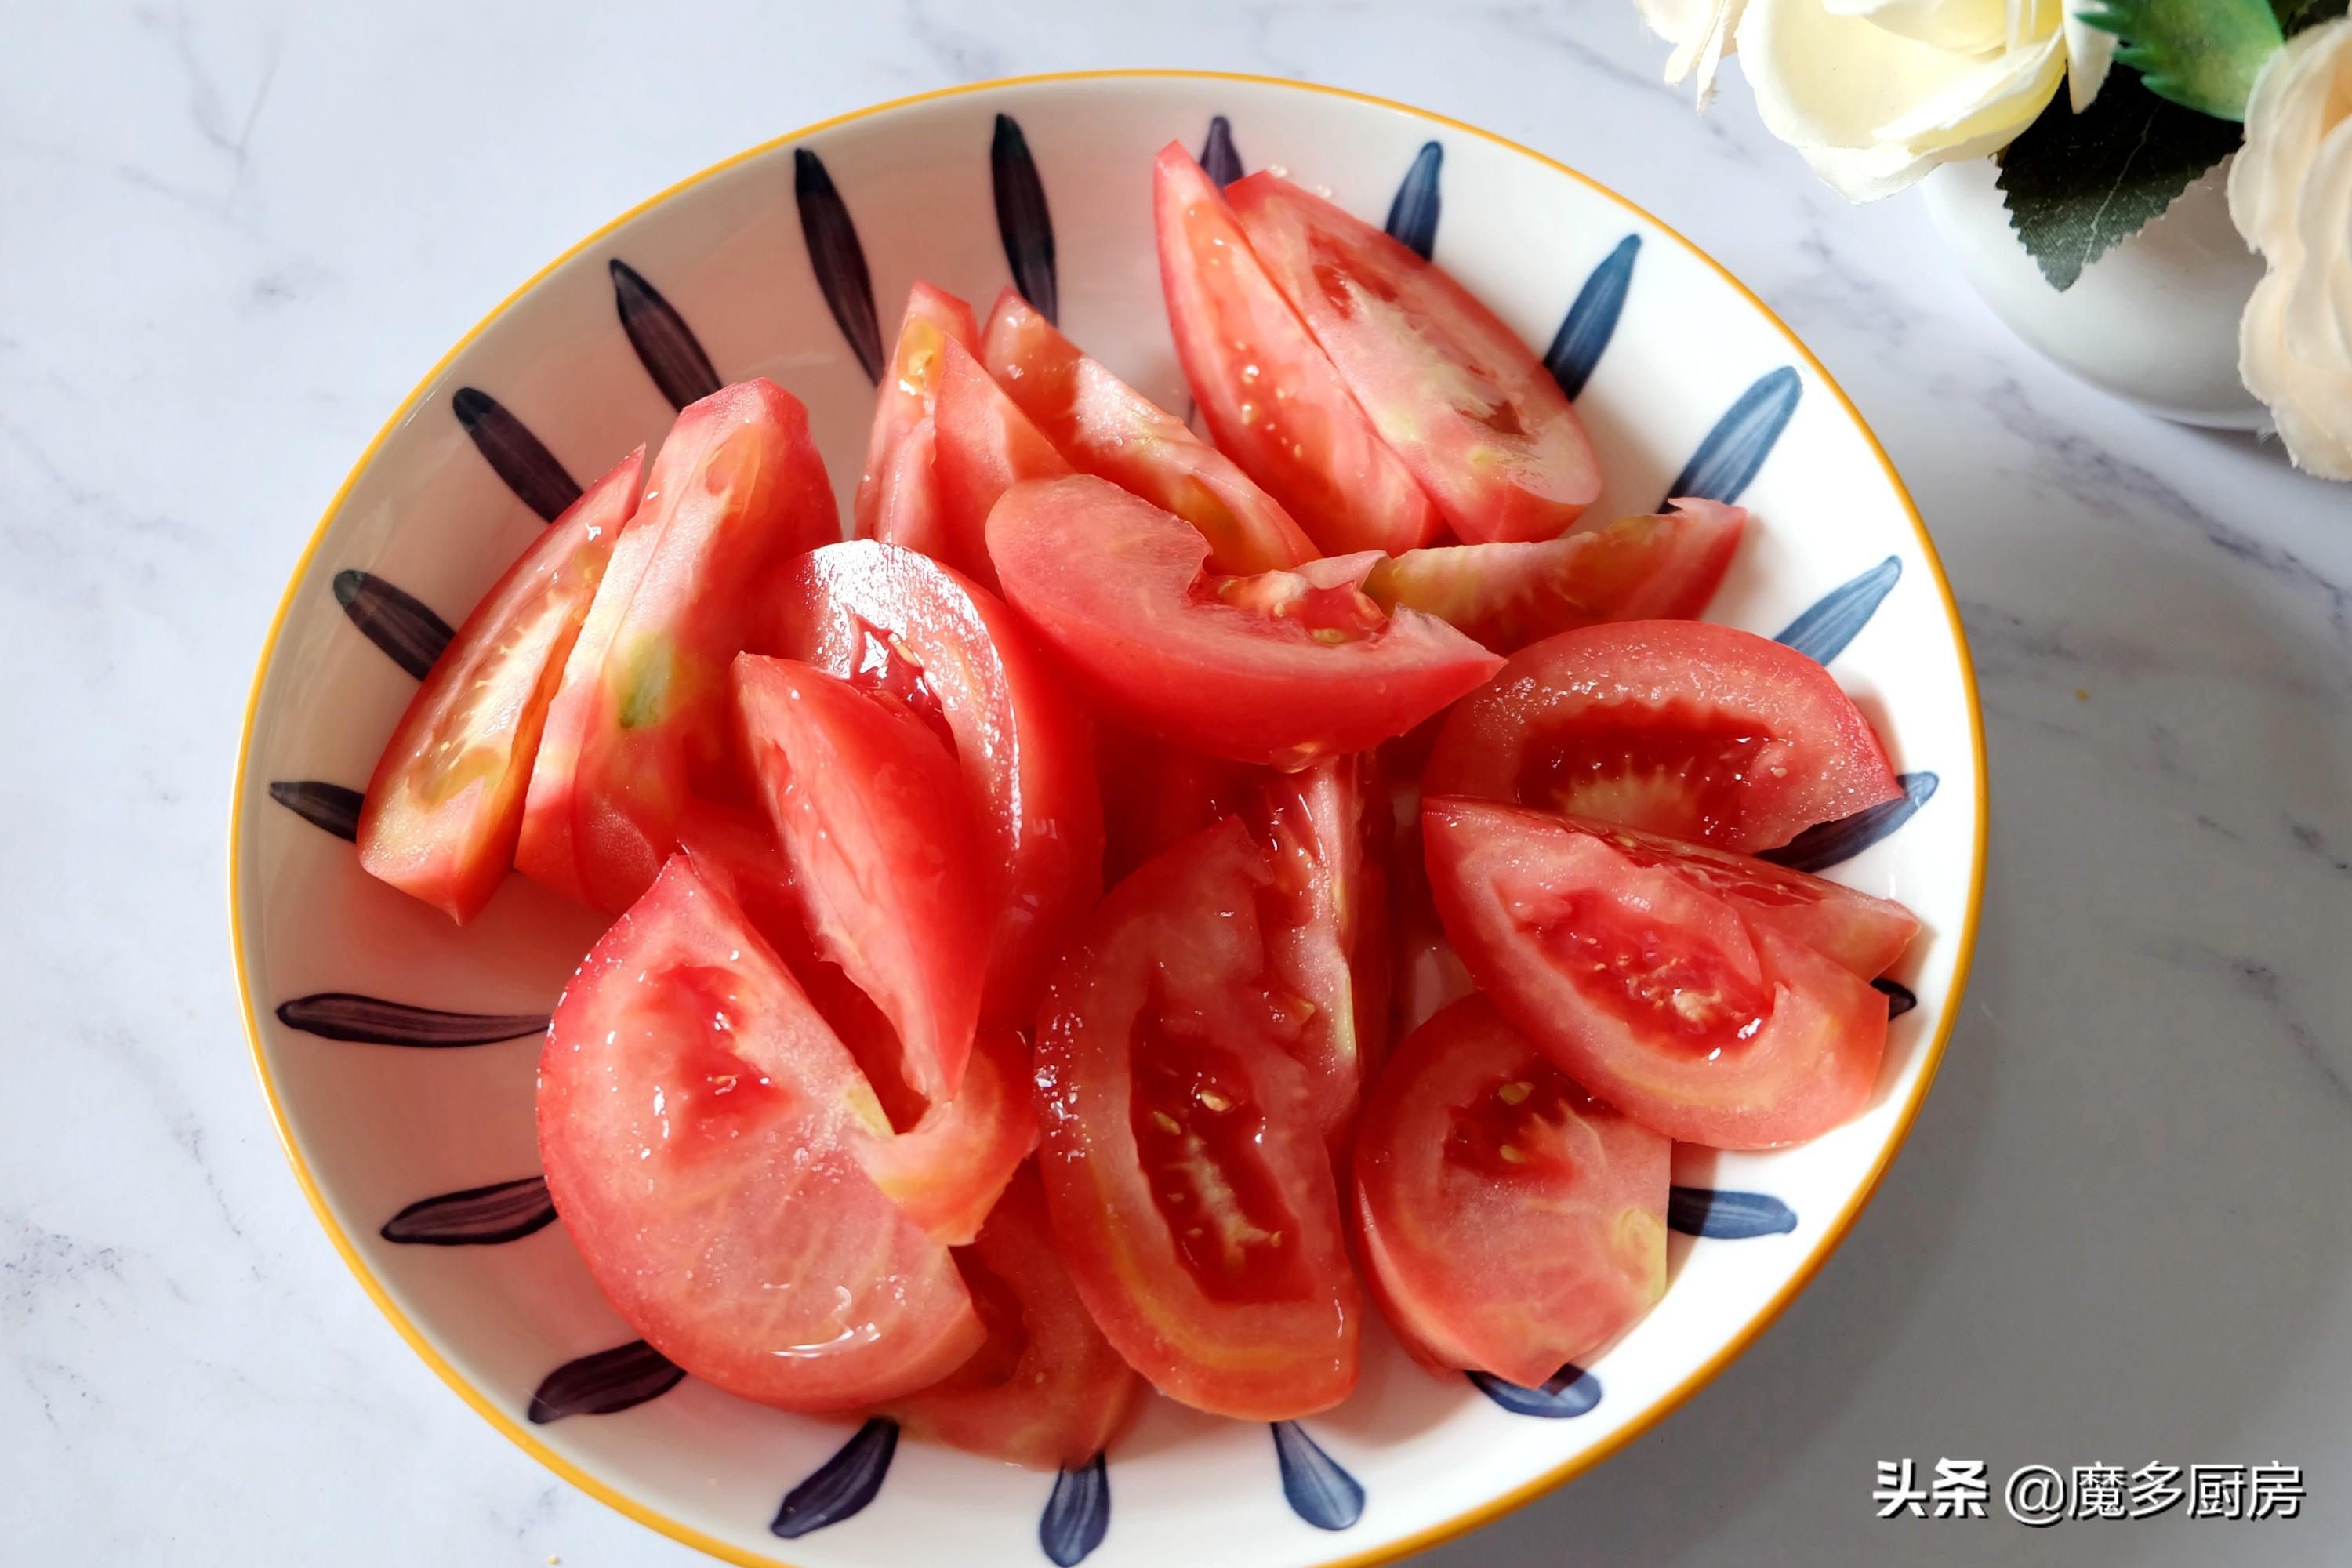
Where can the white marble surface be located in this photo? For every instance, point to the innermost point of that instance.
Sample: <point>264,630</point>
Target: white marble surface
<point>232,234</point>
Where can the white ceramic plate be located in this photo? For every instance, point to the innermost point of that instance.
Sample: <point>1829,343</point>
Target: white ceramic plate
<point>1693,388</point>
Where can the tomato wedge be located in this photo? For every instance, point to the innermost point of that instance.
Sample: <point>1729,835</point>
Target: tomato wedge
<point>1268,393</point>
<point>1155,795</point>
<point>1312,824</point>
<point>1190,1186</point>
<point>897,495</point>
<point>887,618</point>
<point>1281,667</point>
<point>445,806</point>
<point>695,1117</point>
<point>1046,1391</point>
<point>1461,401</point>
<point>1648,985</point>
<point>1683,728</point>
<point>1662,567</point>
<point>1511,1222</point>
<point>641,719</point>
<point>869,810</point>
<point>982,444</point>
<point>1107,428</point>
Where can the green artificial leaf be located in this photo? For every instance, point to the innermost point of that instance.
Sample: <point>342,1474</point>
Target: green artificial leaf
<point>2202,53</point>
<point>2077,184</point>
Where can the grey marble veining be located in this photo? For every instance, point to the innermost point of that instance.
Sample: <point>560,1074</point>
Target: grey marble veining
<point>232,234</point>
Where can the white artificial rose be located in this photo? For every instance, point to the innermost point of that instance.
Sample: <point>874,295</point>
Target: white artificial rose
<point>2291,193</point>
<point>1701,32</point>
<point>1877,92</point>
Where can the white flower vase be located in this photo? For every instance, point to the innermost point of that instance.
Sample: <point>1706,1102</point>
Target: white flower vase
<point>2154,320</point>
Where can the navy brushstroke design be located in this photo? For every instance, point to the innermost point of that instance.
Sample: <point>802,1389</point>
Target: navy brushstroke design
<point>393,619</point>
<point>1822,633</point>
<point>1077,1516</point>
<point>843,1484</point>
<point>1413,214</point>
<point>1726,1217</point>
<point>1591,320</point>
<point>1219,160</point>
<point>605,1383</point>
<point>672,355</point>
<point>837,258</point>
<point>1570,1391</point>
<point>332,806</point>
<point>1022,221</point>
<point>1900,998</point>
<point>478,1216</point>
<point>1320,1492</point>
<point>518,456</point>
<point>1825,845</point>
<point>371,1021</point>
<point>1740,440</point>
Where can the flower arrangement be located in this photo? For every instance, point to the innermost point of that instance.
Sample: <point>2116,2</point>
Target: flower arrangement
<point>1875,93</point>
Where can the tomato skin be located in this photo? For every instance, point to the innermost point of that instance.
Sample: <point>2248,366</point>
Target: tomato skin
<point>1508,594</point>
<point>1163,990</point>
<point>1278,668</point>
<point>1268,393</point>
<point>982,444</point>
<point>1461,401</point>
<point>869,810</point>
<point>1647,985</point>
<point>1510,1222</point>
<point>897,495</point>
<point>1107,428</point>
<point>1021,744</point>
<point>1683,728</point>
<point>641,720</point>
<point>448,844</point>
<point>1047,1391</point>
<point>1155,795</point>
<point>694,1122</point>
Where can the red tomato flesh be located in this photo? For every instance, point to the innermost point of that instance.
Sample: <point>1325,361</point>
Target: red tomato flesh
<point>1155,795</point>
<point>1648,985</point>
<point>1311,824</point>
<point>982,444</point>
<point>1683,728</point>
<point>1511,1222</point>
<point>1461,401</point>
<point>696,1120</point>
<point>1281,668</point>
<point>1268,393</point>
<point>897,495</point>
<point>445,805</point>
<point>641,719</point>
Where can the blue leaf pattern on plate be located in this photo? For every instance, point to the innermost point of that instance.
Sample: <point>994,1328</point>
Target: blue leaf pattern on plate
<point>394,620</point>
<point>1570,1391</point>
<point>1726,1217</point>
<point>672,355</point>
<point>1219,159</point>
<point>1822,633</point>
<point>1077,1516</point>
<point>1740,440</point>
<point>605,1383</point>
<point>1413,214</point>
<point>1022,221</point>
<point>478,1216</point>
<point>1826,844</point>
<point>371,1021</point>
<point>1320,1491</point>
<point>332,806</point>
<point>1900,998</point>
<point>837,258</point>
<point>516,456</point>
<point>841,1485</point>
<point>1591,320</point>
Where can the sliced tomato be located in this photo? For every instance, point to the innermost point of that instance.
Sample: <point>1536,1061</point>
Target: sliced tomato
<point>1281,667</point>
<point>1155,795</point>
<point>1461,401</point>
<point>1682,728</point>
<point>897,494</point>
<point>1047,1390</point>
<point>1648,985</point>
<point>695,1123</point>
<point>869,810</point>
<point>982,444</point>
<point>1511,1222</point>
<point>1312,826</point>
<point>641,719</point>
<point>1664,567</point>
<point>1107,428</point>
<point>888,619</point>
<point>445,805</point>
<point>1268,393</point>
<point>1183,1163</point>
